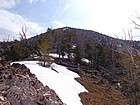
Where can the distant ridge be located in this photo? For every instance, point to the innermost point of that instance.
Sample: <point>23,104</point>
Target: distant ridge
<point>97,36</point>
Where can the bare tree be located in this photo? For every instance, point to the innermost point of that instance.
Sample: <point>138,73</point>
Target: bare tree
<point>23,39</point>
<point>132,68</point>
<point>134,20</point>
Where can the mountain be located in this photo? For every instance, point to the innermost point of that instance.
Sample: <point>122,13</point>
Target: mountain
<point>78,36</point>
<point>101,61</point>
<point>115,60</point>
<point>88,34</point>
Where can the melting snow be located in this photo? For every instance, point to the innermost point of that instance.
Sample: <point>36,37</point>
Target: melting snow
<point>62,81</point>
<point>85,60</point>
<point>54,55</point>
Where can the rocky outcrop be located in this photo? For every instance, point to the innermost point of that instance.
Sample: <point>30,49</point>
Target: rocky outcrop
<point>18,86</point>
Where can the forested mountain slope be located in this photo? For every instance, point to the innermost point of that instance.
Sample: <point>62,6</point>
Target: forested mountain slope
<point>112,60</point>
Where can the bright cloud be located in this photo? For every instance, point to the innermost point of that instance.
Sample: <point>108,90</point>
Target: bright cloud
<point>106,16</point>
<point>58,24</point>
<point>68,6</point>
<point>31,1</point>
<point>7,4</point>
<point>11,24</point>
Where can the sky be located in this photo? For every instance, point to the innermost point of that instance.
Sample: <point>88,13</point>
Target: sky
<point>109,17</point>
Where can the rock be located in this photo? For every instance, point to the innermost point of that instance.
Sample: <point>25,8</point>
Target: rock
<point>18,86</point>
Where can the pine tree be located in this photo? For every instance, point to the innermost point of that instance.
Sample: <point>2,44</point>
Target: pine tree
<point>78,56</point>
<point>44,48</point>
<point>89,52</point>
<point>16,51</point>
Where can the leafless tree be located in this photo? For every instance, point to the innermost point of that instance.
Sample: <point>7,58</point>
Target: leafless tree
<point>23,39</point>
<point>132,68</point>
<point>135,19</point>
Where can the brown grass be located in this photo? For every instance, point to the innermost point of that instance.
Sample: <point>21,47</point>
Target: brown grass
<point>100,94</point>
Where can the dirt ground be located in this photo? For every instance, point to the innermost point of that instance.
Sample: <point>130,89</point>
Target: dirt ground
<point>100,94</point>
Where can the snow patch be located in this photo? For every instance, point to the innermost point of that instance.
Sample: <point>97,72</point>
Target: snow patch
<point>62,81</point>
<point>85,60</point>
<point>66,28</point>
<point>54,55</point>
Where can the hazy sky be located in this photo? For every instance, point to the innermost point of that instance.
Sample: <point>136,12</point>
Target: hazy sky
<point>105,16</point>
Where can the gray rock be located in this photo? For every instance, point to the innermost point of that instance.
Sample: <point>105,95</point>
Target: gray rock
<point>18,86</point>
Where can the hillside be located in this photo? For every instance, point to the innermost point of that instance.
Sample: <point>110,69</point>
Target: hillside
<point>82,33</point>
<point>100,94</point>
<point>114,60</point>
<point>76,36</point>
<point>113,64</point>
<point>18,86</point>
<point>60,79</point>
<point>22,85</point>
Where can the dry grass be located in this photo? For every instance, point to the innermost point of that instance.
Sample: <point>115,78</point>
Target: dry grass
<point>100,94</point>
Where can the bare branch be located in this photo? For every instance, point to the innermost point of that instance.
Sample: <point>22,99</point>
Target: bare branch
<point>135,23</point>
<point>23,33</point>
<point>138,17</point>
<point>23,39</point>
<point>137,27</point>
<point>124,34</point>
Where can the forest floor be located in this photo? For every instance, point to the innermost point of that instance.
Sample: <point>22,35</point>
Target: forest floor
<point>100,94</point>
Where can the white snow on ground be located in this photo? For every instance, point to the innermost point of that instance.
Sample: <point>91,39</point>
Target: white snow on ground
<point>85,60</point>
<point>62,81</point>
<point>54,55</point>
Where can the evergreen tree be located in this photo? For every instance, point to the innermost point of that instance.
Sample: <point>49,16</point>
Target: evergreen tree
<point>78,56</point>
<point>16,51</point>
<point>44,48</point>
<point>89,52</point>
<point>101,55</point>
